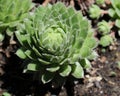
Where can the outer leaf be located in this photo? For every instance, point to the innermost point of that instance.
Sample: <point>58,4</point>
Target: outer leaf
<point>6,94</point>
<point>47,77</point>
<point>117,23</point>
<point>31,67</point>
<point>84,53</point>
<point>114,3</point>
<point>53,69</point>
<point>1,37</point>
<point>93,55</point>
<point>21,54</point>
<point>111,12</point>
<point>77,70</point>
<point>85,63</point>
<point>65,70</point>
<point>118,11</point>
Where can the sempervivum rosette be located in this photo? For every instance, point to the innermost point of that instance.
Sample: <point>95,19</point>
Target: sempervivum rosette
<point>56,41</point>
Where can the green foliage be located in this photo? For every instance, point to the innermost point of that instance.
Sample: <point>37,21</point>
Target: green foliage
<point>118,64</point>
<point>57,42</point>
<point>117,23</point>
<point>1,36</point>
<point>94,11</point>
<point>106,40</point>
<point>100,2</point>
<point>6,94</point>
<point>12,12</point>
<point>115,10</point>
<point>103,27</point>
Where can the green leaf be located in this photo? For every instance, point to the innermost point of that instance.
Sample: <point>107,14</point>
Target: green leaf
<point>21,38</point>
<point>117,23</point>
<point>10,31</point>
<point>6,94</point>
<point>90,42</point>
<point>1,37</point>
<point>111,12</point>
<point>53,69</point>
<point>71,11</point>
<point>21,54</point>
<point>118,11</point>
<point>47,77</point>
<point>93,55</point>
<point>77,70</point>
<point>85,51</point>
<point>119,32</point>
<point>106,40</point>
<point>85,63</point>
<point>65,70</point>
<point>28,54</point>
<point>31,67</point>
<point>114,3</point>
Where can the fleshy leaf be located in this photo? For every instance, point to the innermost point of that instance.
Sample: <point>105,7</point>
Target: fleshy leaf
<point>77,70</point>
<point>1,37</point>
<point>117,23</point>
<point>65,70</point>
<point>85,63</point>
<point>47,77</point>
<point>21,54</point>
<point>111,12</point>
<point>31,67</point>
<point>53,69</point>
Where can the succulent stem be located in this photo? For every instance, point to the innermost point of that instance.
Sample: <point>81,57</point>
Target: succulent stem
<point>104,12</point>
<point>46,2</point>
<point>72,3</point>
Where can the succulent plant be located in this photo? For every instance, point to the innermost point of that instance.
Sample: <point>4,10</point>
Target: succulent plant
<point>56,41</point>
<point>94,11</point>
<point>12,12</point>
<point>115,10</point>
<point>106,40</point>
<point>104,27</point>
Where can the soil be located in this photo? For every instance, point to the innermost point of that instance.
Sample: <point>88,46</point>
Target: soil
<point>103,79</point>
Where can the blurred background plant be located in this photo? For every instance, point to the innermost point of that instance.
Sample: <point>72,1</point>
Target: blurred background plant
<point>105,26</point>
<point>11,13</point>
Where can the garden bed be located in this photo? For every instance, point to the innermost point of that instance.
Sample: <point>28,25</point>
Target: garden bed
<point>103,79</point>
